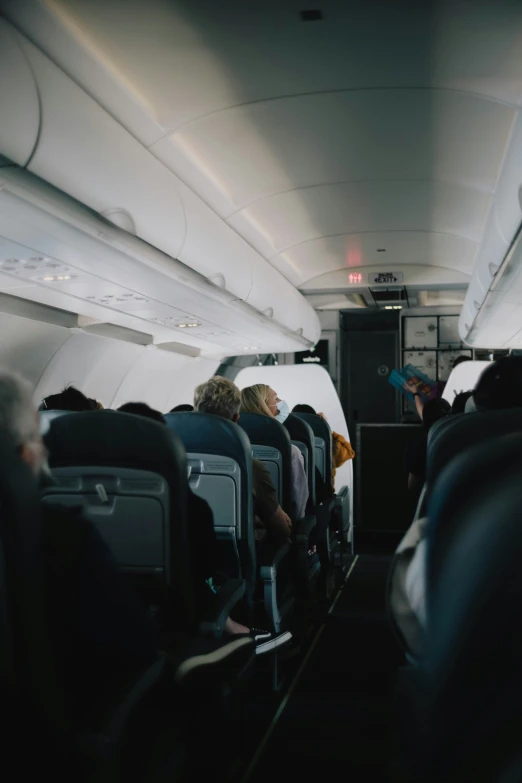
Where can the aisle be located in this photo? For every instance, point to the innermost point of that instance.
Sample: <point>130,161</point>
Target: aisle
<point>338,718</point>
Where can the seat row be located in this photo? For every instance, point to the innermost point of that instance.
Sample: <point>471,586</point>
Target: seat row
<point>464,689</point>
<point>130,477</point>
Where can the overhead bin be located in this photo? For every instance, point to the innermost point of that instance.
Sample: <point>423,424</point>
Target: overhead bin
<point>83,151</point>
<point>54,246</point>
<point>19,105</point>
<point>496,323</point>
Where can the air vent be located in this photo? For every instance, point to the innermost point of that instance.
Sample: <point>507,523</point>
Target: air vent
<point>385,295</point>
<point>312,15</point>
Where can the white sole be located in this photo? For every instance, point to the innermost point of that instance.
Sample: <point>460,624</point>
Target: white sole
<point>266,647</point>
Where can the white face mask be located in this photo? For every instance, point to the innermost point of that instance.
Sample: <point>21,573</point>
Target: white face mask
<point>284,411</point>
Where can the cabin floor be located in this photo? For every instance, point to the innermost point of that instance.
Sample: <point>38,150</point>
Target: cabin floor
<point>336,715</point>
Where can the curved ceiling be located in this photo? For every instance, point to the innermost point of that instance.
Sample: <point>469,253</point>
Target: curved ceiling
<point>384,126</point>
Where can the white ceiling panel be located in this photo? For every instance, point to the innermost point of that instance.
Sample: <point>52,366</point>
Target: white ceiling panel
<point>182,60</point>
<point>287,219</point>
<point>385,125</point>
<point>306,140</point>
<point>307,260</point>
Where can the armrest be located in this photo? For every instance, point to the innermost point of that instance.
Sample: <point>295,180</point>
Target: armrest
<point>343,493</point>
<point>271,560</point>
<point>305,527</point>
<point>220,605</point>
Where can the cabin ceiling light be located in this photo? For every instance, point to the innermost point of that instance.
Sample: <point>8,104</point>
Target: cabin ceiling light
<point>188,326</point>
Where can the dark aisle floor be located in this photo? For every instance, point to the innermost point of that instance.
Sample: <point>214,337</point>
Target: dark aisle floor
<point>339,718</point>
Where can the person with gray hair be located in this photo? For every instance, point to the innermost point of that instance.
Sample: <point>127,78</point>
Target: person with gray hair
<point>101,635</point>
<point>18,418</point>
<point>221,397</point>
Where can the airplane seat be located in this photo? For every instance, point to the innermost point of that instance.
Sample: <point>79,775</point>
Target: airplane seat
<point>33,706</point>
<point>47,417</point>
<point>220,462</point>
<point>440,425</point>
<point>268,437</point>
<point>341,523</point>
<point>436,430</point>
<point>323,443</point>
<point>37,716</point>
<point>302,436</point>
<point>328,543</point>
<point>272,446</point>
<point>130,476</point>
<point>464,431</point>
<point>473,712</point>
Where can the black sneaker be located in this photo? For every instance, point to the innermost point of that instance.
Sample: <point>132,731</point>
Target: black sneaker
<point>259,634</point>
<point>267,644</point>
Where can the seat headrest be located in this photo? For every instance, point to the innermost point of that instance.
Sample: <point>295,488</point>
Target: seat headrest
<point>299,429</point>
<point>113,439</point>
<point>320,427</point>
<point>474,638</point>
<point>46,417</point>
<point>209,434</point>
<point>464,431</point>
<point>266,431</point>
<point>441,424</point>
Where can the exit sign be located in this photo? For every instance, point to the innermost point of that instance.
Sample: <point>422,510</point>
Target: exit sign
<point>385,277</point>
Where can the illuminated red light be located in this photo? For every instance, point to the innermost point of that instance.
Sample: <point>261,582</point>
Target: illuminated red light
<point>355,277</point>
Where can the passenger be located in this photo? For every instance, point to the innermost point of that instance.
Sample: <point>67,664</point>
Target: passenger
<point>142,409</point>
<point>203,545</point>
<point>221,397</point>
<point>498,388</point>
<point>459,403</point>
<point>101,634</point>
<point>184,407</point>
<point>70,399</point>
<point>342,448</point>
<point>264,400</point>
<point>416,450</point>
<point>500,385</point>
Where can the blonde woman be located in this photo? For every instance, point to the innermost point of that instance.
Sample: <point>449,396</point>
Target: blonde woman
<point>264,400</point>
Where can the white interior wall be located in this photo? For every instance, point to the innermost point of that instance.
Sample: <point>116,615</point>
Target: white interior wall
<point>164,379</point>
<point>112,371</point>
<point>28,346</point>
<point>463,378</point>
<point>304,383</point>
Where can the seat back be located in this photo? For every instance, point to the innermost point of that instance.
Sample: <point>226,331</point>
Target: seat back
<point>271,445</point>
<point>220,462</point>
<point>474,638</point>
<point>47,417</point>
<point>129,474</point>
<point>464,431</point>
<point>323,444</point>
<point>33,704</point>
<point>303,437</point>
<point>440,425</point>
